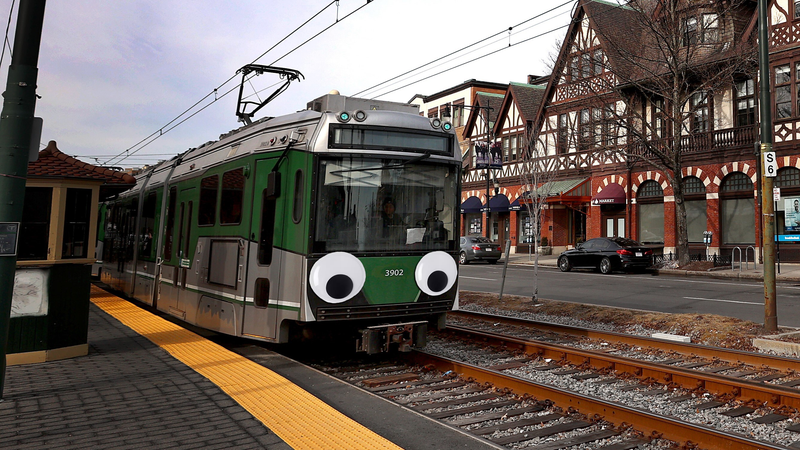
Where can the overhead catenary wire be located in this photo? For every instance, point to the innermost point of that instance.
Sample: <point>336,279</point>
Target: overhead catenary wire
<point>465,47</point>
<point>131,151</point>
<point>5,40</point>
<point>121,156</point>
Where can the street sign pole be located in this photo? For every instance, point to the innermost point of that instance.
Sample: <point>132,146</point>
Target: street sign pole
<point>16,124</point>
<point>767,208</point>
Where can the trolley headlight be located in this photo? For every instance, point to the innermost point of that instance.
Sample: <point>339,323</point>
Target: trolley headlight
<point>436,273</point>
<point>337,277</point>
<point>447,126</point>
<point>436,122</point>
<point>360,116</point>
<point>343,117</point>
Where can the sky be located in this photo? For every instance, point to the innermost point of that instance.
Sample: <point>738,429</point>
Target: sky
<point>112,73</point>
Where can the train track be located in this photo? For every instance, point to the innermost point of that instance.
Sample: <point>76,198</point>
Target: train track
<point>510,410</point>
<point>496,399</point>
<point>713,375</point>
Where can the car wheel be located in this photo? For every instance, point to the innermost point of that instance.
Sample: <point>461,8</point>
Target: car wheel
<point>605,265</point>
<point>462,258</point>
<point>564,265</point>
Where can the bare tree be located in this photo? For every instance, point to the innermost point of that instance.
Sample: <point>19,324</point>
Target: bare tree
<point>662,65</point>
<point>538,171</point>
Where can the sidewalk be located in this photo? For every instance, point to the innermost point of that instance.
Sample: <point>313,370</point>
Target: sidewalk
<point>788,272</point>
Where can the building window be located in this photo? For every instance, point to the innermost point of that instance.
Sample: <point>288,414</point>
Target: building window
<point>208,201</point>
<point>574,68</point>
<point>698,104</point>
<point>690,31</point>
<point>710,31</point>
<point>433,112</point>
<point>34,233</point>
<point>788,177</point>
<point>563,134</point>
<point>650,201</point>
<point>783,91</point>
<point>745,103</point>
<point>458,113</point>
<point>797,10</point>
<point>230,211</point>
<point>598,62</point>
<point>694,196</point>
<point>658,114</point>
<point>585,127</point>
<point>513,145</point>
<point>76,223</point>
<point>506,148</point>
<point>737,210</point>
<point>586,65</point>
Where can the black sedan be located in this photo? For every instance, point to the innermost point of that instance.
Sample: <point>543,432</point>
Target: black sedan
<point>479,248</point>
<point>607,255</point>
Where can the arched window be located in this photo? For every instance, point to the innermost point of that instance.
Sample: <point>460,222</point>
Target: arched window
<point>650,200</point>
<point>737,209</point>
<point>788,180</point>
<point>694,196</point>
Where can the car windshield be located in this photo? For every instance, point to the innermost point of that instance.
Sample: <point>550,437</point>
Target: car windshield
<point>371,205</point>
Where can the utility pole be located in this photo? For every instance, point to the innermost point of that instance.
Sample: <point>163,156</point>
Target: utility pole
<point>16,123</point>
<point>767,206</point>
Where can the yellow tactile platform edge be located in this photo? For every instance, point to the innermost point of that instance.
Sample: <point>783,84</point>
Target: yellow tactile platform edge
<point>300,419</point>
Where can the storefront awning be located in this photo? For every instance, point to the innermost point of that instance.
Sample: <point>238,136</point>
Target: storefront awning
<point>515,206</point>
<point>555,188</point>
<point>471,205</point>
<point>613,194</point>
<point>498,203</point>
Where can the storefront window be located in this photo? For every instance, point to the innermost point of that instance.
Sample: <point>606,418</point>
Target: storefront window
<point>737,210</point>
<point>650,198</point>
<point>694,192</point>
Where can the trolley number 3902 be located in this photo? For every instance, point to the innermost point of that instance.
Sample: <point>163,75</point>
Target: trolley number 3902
<point>394,273</point>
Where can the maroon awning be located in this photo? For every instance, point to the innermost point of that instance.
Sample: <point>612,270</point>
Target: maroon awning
<point>613,194</point>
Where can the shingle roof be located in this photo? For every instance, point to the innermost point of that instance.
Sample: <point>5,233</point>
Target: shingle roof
<point>52,163</point>
<point>528,98</point>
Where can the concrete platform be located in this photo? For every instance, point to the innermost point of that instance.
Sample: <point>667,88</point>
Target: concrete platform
<point>131,393</point>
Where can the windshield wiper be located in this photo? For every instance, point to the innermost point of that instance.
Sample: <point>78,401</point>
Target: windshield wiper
<point>391,166</point>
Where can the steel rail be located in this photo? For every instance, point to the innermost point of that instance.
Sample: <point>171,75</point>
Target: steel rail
<point>643,370</point>
<point>644,421</point>
<point>704,351</point>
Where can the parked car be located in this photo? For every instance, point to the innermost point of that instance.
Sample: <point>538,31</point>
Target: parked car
<point>479,248</point>
<point>607,255</point>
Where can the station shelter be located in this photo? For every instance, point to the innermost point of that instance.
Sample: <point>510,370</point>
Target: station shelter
<point>55,253</point>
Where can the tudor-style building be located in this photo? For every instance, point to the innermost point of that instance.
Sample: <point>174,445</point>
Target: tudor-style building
<point>511,121</point>
<point>603,191</point>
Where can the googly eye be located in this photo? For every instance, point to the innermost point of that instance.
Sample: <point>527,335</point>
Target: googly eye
<point>337,277</point>
<point>436,273</point>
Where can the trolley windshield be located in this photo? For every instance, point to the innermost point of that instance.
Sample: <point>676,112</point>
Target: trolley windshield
<point>385,205</point>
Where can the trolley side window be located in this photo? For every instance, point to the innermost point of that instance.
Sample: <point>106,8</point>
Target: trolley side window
<point>146,226</point>
<point>173,193</point>
<point>230,211</point>
<point>267,229</point>
<point>297,207</point>
<point>208,201</point>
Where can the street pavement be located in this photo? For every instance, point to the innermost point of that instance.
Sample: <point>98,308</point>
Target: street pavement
<point>788,272</point>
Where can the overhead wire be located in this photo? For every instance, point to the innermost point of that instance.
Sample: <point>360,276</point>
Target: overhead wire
<point>160,132</point>
<point>5,41</point>
<point>131,151</point>
<point>466,47</point>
